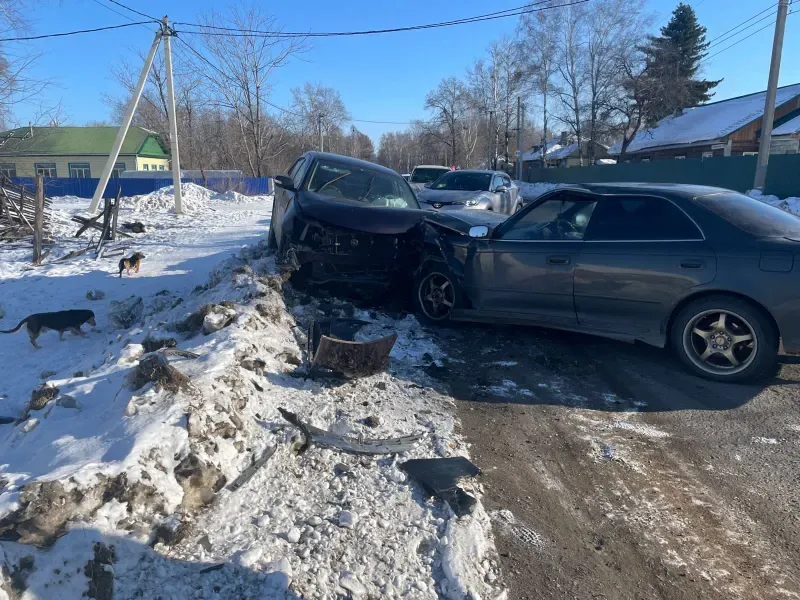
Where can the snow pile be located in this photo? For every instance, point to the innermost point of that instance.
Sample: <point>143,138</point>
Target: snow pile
<point>132,477</point>
<point>531,191</point>
<point>791,204</point>
<point>195,198</point>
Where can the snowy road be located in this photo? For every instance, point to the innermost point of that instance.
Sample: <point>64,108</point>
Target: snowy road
<point>626,476</point>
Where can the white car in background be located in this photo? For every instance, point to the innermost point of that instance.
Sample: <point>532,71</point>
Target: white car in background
<point>425,174</point>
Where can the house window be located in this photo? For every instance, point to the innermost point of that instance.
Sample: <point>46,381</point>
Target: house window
<point>45,169</point>
<point>708,155</point>
<point>160,167</point>
<point>154,167</point>
<point>8,170</point>
<point>643,160</point>
<point>145,167</point>
<point>118,169</point>
<point>749,153</point>
<point>80,170</point>
<point>680,157</point>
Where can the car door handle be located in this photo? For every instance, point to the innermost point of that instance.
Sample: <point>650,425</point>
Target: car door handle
<point>691,263</point>
<point>558,260</point>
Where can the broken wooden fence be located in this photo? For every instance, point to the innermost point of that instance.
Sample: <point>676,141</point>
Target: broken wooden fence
<point>18,211</point>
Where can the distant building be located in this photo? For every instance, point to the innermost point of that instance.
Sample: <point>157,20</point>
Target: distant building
<point>562,152</point>
<point>786,137</point>
<point>725,128</point>
<point>78,151</point>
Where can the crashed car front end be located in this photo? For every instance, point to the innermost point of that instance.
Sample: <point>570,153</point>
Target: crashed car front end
<point>336,242</point>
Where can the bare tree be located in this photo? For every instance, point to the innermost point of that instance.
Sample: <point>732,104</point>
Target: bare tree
<point>315,106</point>
<point>449,103</point>
<point>571,70</point>
<point>241,79</point>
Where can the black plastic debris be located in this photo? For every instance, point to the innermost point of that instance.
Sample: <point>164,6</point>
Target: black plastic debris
<point>439,477</point>
<point>332,349</point>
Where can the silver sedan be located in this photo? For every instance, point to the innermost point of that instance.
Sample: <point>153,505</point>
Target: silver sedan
<point>473,190</point>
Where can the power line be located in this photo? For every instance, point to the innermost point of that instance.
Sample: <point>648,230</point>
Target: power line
<point>743,39</point>
<point>66,33</point>
<point>740,24</point>
<point>133,10</point>
<point>753,24</point>
<point>233,32</point>
<point>114,10</point>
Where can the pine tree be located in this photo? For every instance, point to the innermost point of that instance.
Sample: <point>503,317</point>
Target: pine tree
<point>673,61</point>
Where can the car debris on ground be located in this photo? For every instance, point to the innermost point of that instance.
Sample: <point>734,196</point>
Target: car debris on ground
<point>439,477</point>
<point>333,350</point>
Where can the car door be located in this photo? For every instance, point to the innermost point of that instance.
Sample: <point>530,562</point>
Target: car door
<point>640,255</point>
<point>526,268</point>
<point>283,197</point>
<point>512,193</point>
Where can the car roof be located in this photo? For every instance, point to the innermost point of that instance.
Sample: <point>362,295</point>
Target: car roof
<point>484,171</point>
<point>681,190</point>
<point>349,160</point>
<point>431,167</point>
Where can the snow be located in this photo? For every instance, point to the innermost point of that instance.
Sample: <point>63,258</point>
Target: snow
<point>791,204</point>
<point>535,153</point>
<point>707,122</point>
<point>319,524</point>
<point>531,191</point>
<point>791,127</point>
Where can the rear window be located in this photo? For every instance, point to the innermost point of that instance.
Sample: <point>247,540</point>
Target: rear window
<point>425,175</point>
<point>751,215</point>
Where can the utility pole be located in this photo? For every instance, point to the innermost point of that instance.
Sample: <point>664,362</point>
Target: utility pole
<point>125,125</point>
<point>490,137</point>
<point>173,117</point>
<point>319,125</point>
<point>520,126</point>
<point>772,90</point>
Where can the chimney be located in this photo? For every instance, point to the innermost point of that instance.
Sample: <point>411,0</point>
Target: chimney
<point>564,138</point>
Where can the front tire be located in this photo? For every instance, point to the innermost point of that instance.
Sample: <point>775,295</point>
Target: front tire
<point>436,294</point>
<point>725,338</point>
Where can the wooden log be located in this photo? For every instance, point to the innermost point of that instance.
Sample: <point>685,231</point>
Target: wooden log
<point>92,222</point>
<point>115,217</point>
<point>38,223</point>
<point>22,217</point>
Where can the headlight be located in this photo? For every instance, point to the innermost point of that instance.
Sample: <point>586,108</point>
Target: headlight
<point>472,202</point>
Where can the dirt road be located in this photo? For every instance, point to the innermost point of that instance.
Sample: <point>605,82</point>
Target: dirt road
<point>613,473</point>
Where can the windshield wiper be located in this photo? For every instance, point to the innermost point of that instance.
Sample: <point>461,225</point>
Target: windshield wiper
<point>342,176</point>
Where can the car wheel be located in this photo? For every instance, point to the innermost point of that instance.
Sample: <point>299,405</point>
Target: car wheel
<point>435,295</point>
<point>725,339</point>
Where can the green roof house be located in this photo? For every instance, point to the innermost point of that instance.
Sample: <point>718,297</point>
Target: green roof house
<point>77,151</point>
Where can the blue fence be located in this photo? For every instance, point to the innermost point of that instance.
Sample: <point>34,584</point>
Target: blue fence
<point>84,188</point>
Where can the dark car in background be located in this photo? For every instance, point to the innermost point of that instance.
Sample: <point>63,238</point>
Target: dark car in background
<point>710,272</point>
<point>423,175</point>
<point>472,189</point>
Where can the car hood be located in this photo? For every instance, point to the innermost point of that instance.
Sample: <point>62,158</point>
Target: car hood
<point>351,214</point>
<point>430,196</point>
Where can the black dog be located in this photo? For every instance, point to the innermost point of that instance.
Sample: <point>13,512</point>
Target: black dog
<point>132,262</point>
<point>61,321</point>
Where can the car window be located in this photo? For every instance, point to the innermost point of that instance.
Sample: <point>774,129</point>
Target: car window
<point>293,168</point>
<point>506,181</point>
<point>560,218</point>
<point>631,218</point>
<point>427,175</point>
<point>300,168</point>
<point>463,181</point>
<point>751,215</point>
<point>351,182</point>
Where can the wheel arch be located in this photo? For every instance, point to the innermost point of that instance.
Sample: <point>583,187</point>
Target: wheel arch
<point>706,293</point>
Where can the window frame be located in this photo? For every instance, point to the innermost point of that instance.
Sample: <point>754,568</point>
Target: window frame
<point>562,195</point>
<point>82,166</point>
<point>116,168</point>
<point>11,167</point>
<point>699,229</point>
<point>145,167</point>
<point>161,168</point>
<point>43,166</point>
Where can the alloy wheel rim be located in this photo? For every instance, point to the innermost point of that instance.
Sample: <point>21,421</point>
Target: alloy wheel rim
<point>436,296</point>
<point>720,342</point>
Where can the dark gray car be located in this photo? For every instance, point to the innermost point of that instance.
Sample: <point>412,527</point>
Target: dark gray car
<point>711,272</point>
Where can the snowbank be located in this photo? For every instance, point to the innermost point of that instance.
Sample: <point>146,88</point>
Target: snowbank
<point>133,468</point>
<point>791,204</point>
<point>195,198</point>
<point>531,191</point>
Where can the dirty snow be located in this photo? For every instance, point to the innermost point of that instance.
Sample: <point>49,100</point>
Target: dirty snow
<point>321,524</point>
<point>530,191</point>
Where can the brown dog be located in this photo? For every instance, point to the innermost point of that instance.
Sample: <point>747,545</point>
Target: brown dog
<point>61,321</point>
<point>132,262</point>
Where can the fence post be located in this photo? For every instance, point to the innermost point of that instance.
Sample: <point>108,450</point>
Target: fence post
<point>116,214</point>
<point>38,221</point>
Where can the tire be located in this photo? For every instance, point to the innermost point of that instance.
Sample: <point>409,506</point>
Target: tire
<point>741,347</point>
<point>430,310</point>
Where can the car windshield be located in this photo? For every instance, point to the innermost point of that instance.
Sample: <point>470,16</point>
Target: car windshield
<point>751,215</point>
<point>463,181</point>
<point>352,182</point>
<point>427,175</point>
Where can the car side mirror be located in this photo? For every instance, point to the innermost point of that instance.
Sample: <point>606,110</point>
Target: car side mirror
<point>428,185</point>
<point>501,189</point>
<point>478,231</point>
<point>285,182</point>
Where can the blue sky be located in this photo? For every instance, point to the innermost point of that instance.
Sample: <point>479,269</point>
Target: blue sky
<point>379,77</point>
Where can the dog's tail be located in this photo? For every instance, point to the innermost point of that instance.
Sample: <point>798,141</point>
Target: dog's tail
<point>17,328</point>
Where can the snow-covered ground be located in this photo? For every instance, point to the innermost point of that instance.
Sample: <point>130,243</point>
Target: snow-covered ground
<point>127,489</point>
<point>531,191</point>
<point>791,204</point>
